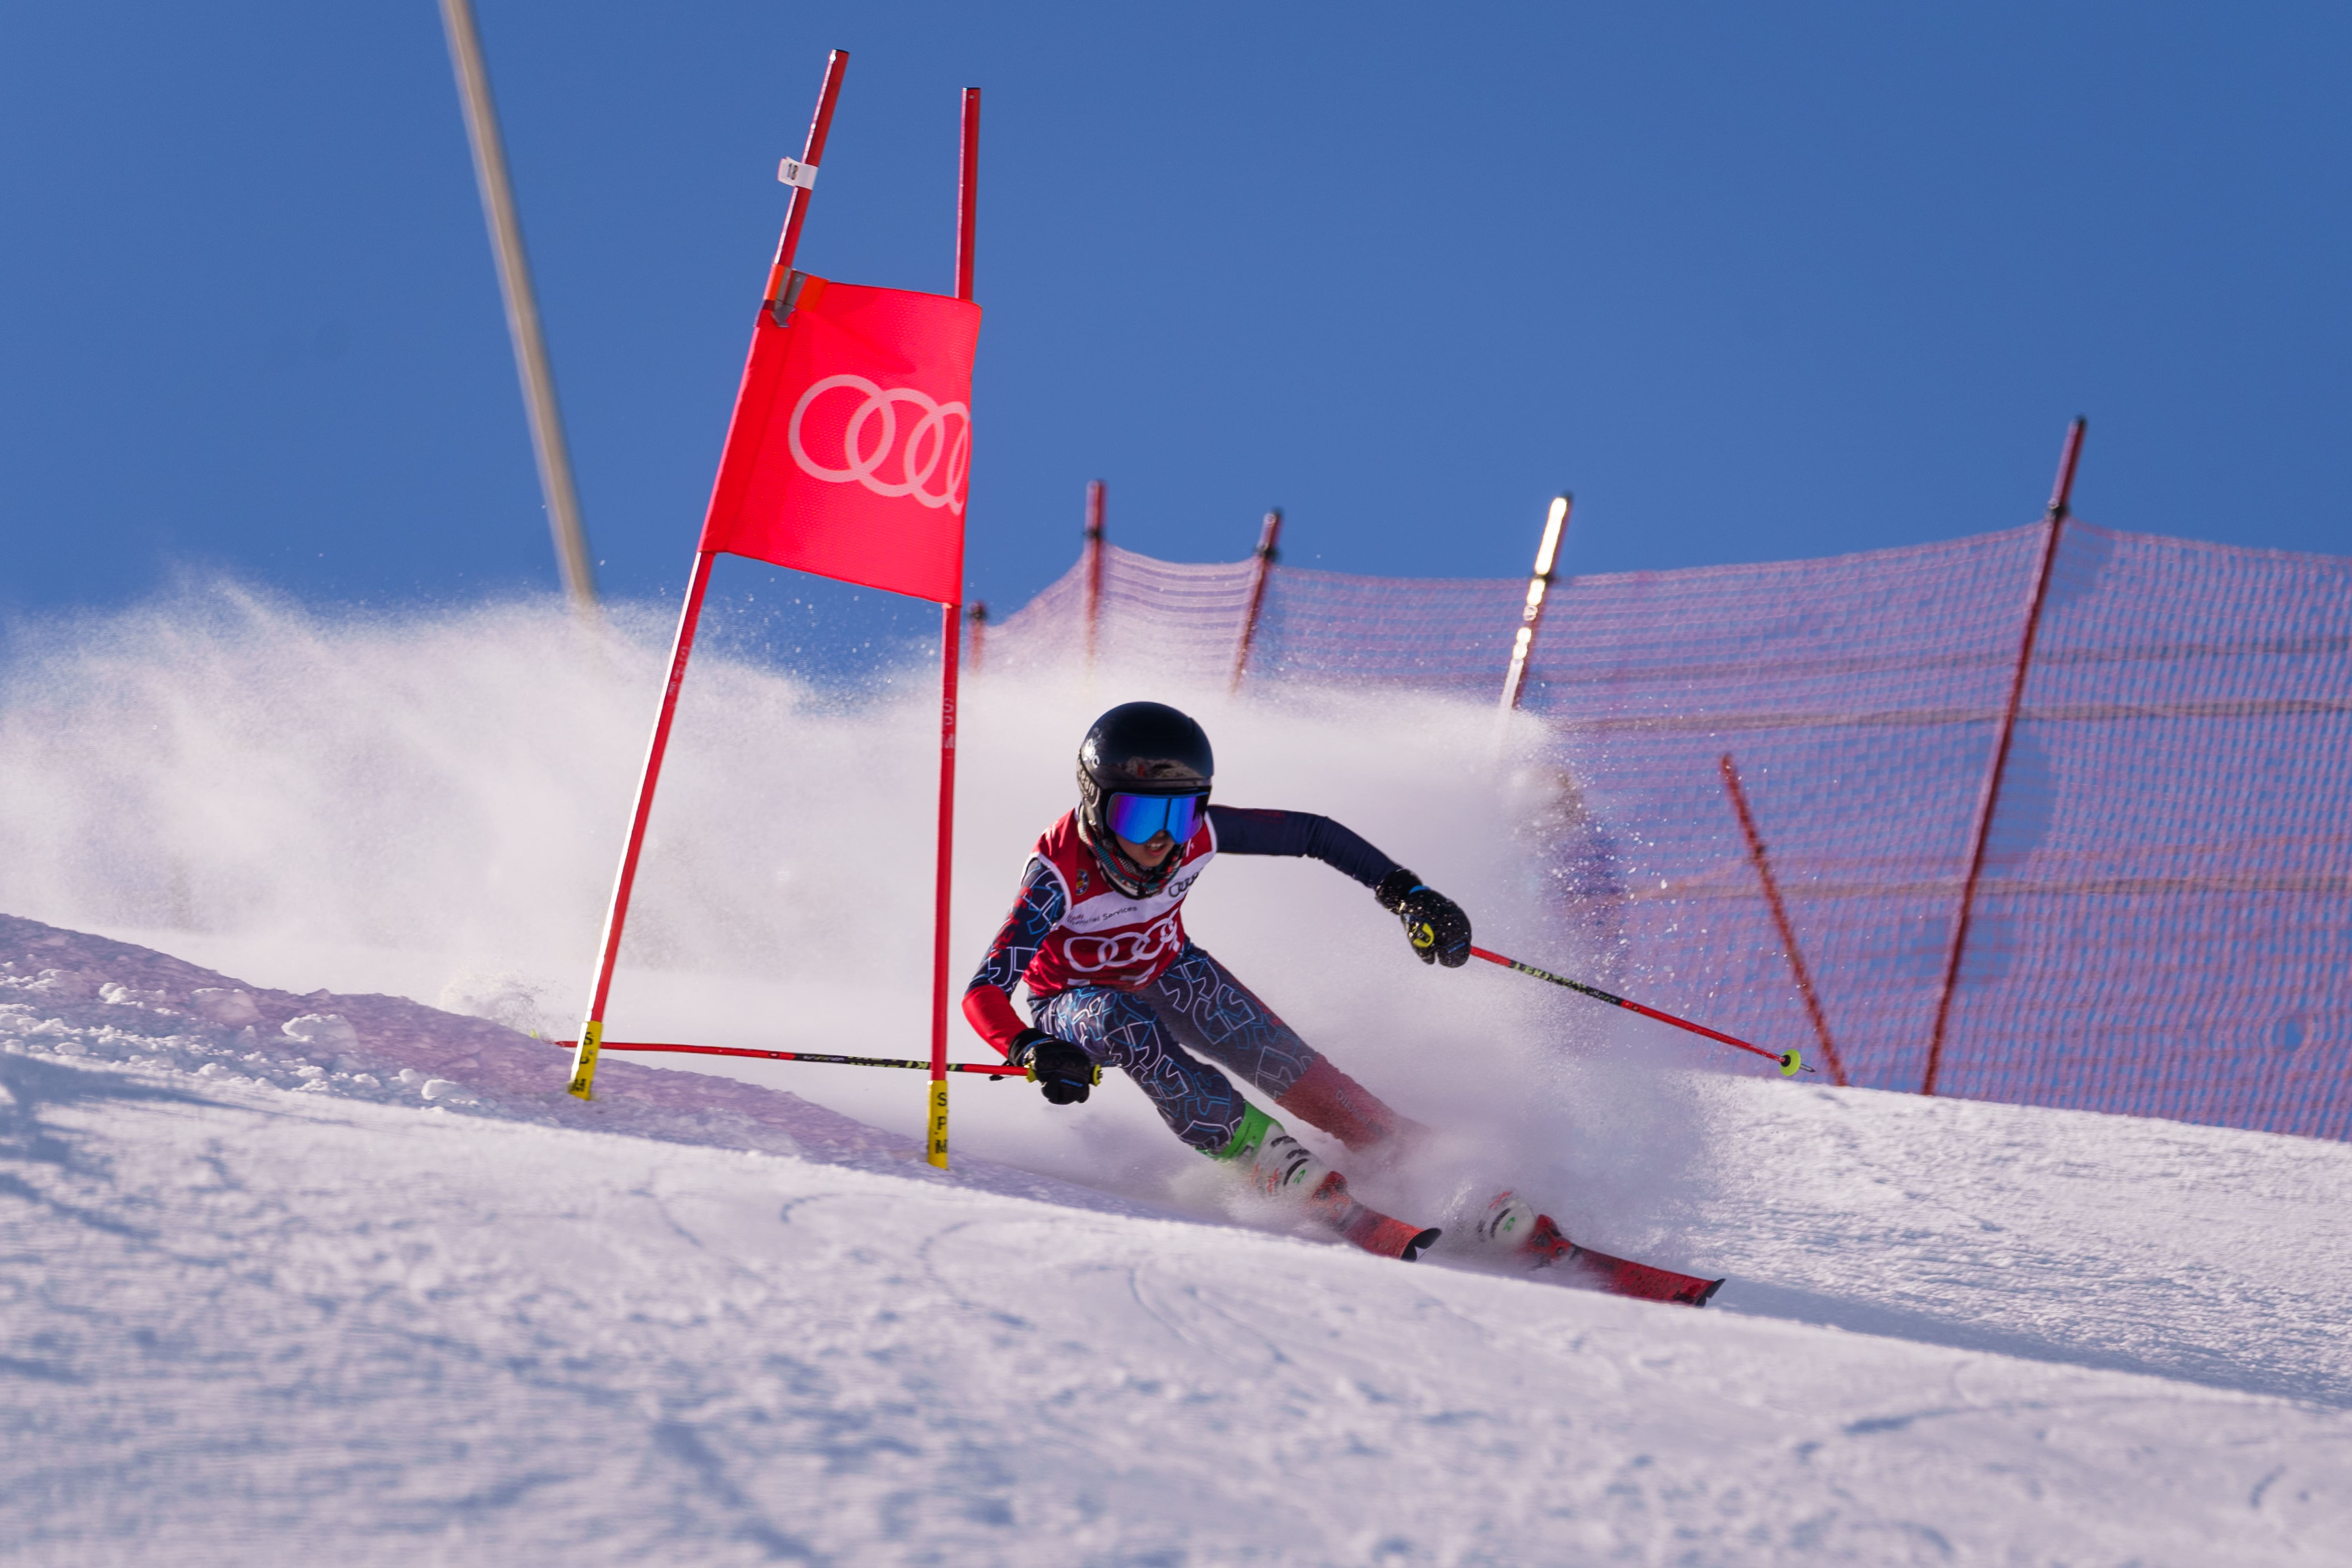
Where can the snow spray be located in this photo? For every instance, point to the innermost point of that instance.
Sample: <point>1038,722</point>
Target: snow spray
<point>431,803</point>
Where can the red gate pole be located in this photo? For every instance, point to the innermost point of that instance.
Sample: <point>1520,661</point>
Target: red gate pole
<point>2061,496</point>
<point>936,1142</point>
<point>950,647</point>
<point>1268,537</point>
<point>1531,617</point>
<point>592,1031</point>
<point>801,175</point>
<point>1781,919</point>
<point>1094,548</point>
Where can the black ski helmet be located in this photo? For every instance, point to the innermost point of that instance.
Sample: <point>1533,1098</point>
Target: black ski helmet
<point>1138,748</point>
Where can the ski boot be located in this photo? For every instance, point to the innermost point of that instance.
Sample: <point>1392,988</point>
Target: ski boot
<point>1508,1228</point>
<point>1511,1227</point>
<point>1282,1167</point>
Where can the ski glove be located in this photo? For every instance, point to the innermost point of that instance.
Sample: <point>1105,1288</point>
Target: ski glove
<point>1061,1069</point>
<point>1433,923</point>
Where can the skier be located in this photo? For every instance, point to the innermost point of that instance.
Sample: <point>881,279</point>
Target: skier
<point>1097,934</point>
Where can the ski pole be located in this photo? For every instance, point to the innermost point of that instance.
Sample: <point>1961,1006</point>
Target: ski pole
<point>985,1069</point>
<point>1791,1064</point>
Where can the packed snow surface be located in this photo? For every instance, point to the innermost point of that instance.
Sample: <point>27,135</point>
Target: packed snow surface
<point>297,1275</point>
<point>347,1279</point>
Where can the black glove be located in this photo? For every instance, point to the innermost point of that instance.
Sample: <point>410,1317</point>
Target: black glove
<point>1064,1073</point>
<point>1433,923</point>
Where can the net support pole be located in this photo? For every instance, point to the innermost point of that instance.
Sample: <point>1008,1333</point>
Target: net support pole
<point>1523,646</point>
<point>935,1142</point>
<point>1989,797</point>
<point>1094,549</point>
<point>1269,539</point>
<point>547,446</point>
<point>592,1030</point>
<point>1781,919</point>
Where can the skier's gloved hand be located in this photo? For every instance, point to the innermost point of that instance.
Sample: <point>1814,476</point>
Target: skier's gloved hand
<point>1433,923</point>
<point>1066,1073</point>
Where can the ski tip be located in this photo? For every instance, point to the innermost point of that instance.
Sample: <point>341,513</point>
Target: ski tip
<point>1419,1244</point>
<point>1708,1294</point>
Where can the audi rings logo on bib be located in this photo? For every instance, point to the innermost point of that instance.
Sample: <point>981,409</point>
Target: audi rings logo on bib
<point>924,454</point>
<point>1123,949</point>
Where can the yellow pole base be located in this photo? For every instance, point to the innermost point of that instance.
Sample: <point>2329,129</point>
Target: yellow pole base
<point>937,1151</point>
<point>583,1058</point>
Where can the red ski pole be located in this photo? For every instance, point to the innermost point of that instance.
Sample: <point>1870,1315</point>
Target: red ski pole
<point>988,1069</point>
<point>1791,1064</point>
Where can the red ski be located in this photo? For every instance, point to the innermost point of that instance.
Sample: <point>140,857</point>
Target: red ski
<point>1618,1276</point>
<point>1368,1227</point>
<point>1389,1237</point>
<point>1512,1227</point>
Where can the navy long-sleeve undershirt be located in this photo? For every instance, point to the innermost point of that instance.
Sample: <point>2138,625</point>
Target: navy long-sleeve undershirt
<point>1040,906</point>
<point>1244,832</point>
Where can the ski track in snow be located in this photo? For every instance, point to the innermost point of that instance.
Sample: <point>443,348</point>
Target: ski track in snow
<point>262,1297</point>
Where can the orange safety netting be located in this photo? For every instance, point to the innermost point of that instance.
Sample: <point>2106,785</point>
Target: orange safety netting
<point>2162,924</point>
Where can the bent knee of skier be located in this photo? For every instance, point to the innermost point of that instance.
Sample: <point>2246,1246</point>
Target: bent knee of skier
<point>1215,1014</point>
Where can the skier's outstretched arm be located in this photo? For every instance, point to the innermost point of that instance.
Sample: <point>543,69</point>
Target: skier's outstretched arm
<point>1240,831</point>
<point>1433,923</point>
<point>1064,1073</point>
<point>988,1000</point>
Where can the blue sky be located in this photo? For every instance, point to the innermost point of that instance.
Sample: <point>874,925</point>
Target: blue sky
<point>1755,282</point>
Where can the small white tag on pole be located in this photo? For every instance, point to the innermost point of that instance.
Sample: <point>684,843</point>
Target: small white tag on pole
<point>792,171</point>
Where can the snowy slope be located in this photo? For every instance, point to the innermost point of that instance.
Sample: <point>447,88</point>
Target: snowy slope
<point>266,1301</point>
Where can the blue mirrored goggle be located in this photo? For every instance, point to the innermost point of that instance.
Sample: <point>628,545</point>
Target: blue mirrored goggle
<point>1138,818</point>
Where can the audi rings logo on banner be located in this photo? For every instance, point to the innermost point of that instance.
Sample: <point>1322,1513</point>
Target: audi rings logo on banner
<point>937,445</point>
<point>1124,950</point>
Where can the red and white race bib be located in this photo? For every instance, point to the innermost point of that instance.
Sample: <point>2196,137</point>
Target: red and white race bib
<point>1105,937</point>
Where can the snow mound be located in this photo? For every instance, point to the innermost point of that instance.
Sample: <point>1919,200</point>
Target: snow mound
<point>76,995</point>
<point>272,1295</point>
